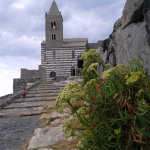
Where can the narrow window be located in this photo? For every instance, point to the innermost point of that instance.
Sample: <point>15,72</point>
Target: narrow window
<point>73,56</point>
<point>54,36</point>
<point>52,24</point>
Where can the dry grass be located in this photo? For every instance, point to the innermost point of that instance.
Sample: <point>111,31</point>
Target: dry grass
<point>77,105</point>
<point>63,145</point>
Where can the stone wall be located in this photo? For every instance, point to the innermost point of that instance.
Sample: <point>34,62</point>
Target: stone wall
<point>19,84</point>
<point>25,73</point>
<point>92,46</point>
<point>130,36</point>
<point>42,72</point>
<point>5,101</point>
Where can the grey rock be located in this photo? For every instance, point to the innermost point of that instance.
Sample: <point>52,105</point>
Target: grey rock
<point>133,12</point>
<point>146,12</point>
<point>104,58</point>
<point>45,137</point>
<point>130,42</point>
<point>72,78</point>
<point>112,60</point>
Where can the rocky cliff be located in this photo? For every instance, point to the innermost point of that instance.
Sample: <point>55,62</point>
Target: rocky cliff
<point>130,36</point>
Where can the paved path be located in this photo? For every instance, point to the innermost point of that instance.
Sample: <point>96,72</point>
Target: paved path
<point>19,119</point>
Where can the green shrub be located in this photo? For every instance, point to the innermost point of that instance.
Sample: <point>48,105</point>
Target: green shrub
<point>116,113</point>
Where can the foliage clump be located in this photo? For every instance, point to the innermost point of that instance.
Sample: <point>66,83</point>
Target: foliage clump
<point>116,111</point>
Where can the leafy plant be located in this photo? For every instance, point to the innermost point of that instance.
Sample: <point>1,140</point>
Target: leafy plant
<point>116,112</point>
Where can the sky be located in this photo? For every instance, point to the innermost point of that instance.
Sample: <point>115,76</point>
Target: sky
<point>22,29</point>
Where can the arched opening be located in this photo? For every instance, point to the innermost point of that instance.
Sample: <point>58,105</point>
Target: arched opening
<point>80,63</point>
<point>52,74</point>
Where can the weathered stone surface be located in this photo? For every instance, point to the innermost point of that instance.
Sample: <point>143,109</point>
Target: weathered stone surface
<point>45,149</point>
<point>132,12</point>
<point>55,114</point>
<point>63,83</point>
<point>112,60</point>
<point>45,137</point>
<point>146,12</point>
<point>72,78</point>
<point>59,121</point>
<point>130,42</point>
<point>104,58</point>
<point>105,45</point>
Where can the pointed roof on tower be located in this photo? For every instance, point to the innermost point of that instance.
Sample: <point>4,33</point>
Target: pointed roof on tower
<point>54,9</point>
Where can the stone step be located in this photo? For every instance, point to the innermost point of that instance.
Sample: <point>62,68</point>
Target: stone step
<point>21,114</point>
<point>33,99</point>
<point>44,91</point>
<point>41,95</point>
<point>46,88</point>
<point>51,87</point>
<point>31,104</point>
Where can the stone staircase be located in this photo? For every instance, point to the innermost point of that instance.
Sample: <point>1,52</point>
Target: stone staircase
<point>18,120</point>
<point>43,94</point>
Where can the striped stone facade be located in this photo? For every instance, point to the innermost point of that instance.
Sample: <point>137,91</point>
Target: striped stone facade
<point>60,55</point>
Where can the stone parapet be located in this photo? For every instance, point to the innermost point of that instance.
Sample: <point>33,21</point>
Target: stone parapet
<point>4,102</point>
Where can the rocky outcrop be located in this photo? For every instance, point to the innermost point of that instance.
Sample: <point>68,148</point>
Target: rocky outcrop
<point>146,12</point>
<point>45,137</point>
<point>132,12</point>
<point>130,42</point>
<point>130,36</point>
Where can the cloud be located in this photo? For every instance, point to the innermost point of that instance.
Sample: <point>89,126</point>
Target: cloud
<point>10,68</point>
<point>23,29</point>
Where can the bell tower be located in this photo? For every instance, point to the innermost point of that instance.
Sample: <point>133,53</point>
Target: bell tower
<point>53,27</point>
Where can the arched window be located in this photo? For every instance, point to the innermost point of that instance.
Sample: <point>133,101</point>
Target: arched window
<point>53,24</point>
<point>52,74</point>
<point>53,36</point>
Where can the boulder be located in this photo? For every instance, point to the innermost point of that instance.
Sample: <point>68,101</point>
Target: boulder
<point>130,42</point>
<point>133,12</point>
<point>45,137</point>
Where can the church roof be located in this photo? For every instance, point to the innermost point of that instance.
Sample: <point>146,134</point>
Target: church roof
<point>54,11</point>
<point>43,42</point>
<point>77,42</point>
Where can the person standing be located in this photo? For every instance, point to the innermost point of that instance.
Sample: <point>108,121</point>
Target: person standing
<point>24,92</point>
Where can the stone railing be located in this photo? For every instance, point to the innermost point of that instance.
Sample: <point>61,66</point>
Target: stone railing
<point>4,102</point>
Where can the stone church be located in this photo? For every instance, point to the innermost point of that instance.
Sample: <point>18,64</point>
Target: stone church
<point>61,57</point>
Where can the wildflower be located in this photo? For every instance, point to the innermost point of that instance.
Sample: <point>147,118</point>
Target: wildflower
<point>117,131</point>
<point>92,67</point>
<point>139,93</point>
<point>106,74</point>
<point>71,133</point>
<point>107,64</point>
<point>135,76</point>
<point>86,116</point>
